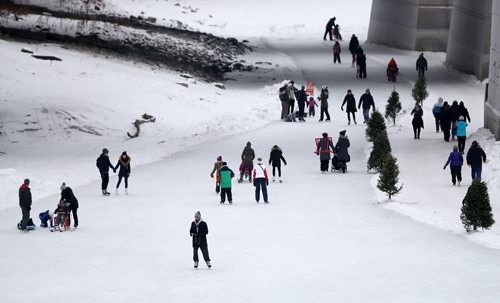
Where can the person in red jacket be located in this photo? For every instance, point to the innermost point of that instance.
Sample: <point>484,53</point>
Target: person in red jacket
<point>260,180</point>
<point>392,70</point>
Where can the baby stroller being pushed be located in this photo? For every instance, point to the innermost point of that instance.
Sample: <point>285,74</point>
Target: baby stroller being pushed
<point>62,219</point>
<point>338,165</point>
<point>245,172</point>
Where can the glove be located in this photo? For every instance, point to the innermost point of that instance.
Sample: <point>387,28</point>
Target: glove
<point>254,183</point>
<point>267,182</point>
<point>211,175</point>
<point>342,109</point>
<point>444,168</point>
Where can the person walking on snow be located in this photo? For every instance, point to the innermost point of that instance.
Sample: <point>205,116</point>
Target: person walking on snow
<point>342,150</point>
<point>336,52</point>
<point>323,149</point>
<point>215,170</point>
<point>124,172</point>
<point>392,70</point>
<point>353,47</point>
<point>247,157</point>
<point>445,121</point>
<point>283,95</point>
<point>417,122</point>
<point>461,133</point>
<point>366,101</point>
<point>275,159</point>
<point>225,175</point>
<point>312,103</point>
<point>328,29</point>
<point>199,232</point>
<point>292,96</point>
<point>302,100</point>
<point>103,164</point>
<point>361,61</point>
<point>260,180</point>
<point>475,159</point>
<point>436,112</point>
<point>454,108</point>
<point>421,65</point>
<point>324,103</point>
<point>25,203</point>
<point>463,111</point>
<point>68,195</point>
<point>456,160</point>
<point>351,106</point>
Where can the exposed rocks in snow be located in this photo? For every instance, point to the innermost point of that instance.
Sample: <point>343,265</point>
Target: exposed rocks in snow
<point>182,84</point>
<point>49,58</point>
<point>146,118</point>
<point>220,85</point>
<point>27,50</point>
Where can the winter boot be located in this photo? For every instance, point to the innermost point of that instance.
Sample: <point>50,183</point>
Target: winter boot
<point>126,191</point>
<point>274,179</point>
<point>281,181</point>
<point>104,192</point>
<point>116,192</point>
<point>195,264</point>
<point>209,265</point>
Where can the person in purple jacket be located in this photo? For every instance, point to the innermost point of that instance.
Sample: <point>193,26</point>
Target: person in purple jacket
<point>456,160</point>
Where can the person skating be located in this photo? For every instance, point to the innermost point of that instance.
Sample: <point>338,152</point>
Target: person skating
<point>463,111</point>
<point>260,181</point>
<point>225,175</point>
<point>199,232</point>
<point>275,158</point>
<point>312,103</point>
<point>336,52</point>
<point>350,107</point>
<point>283,95</point>
<point>366,101</point>
<point>124,172</point>
<point>328,30</point>
<point>475,159</point>
<point>392,70</point>
<point>336,32</point>
<point>461,133</point>
<point>103,164</point>
<point>417,122</point>
<point>361,62</point>
<point>421,65</point>
<point>25,203</point>
<point>436,112</point>
<point>342,150</point>
<point>301,101</point>
<point>247,157</point>
<point>68,195</point>
<point>323,149</point>
<point>215,170</point>
<point>324,103</point>
<point>445,121</point>
<point>353,47</point>
<point>455,160</point>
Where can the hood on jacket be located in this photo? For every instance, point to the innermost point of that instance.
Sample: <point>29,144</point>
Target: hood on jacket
<point>440,100</point>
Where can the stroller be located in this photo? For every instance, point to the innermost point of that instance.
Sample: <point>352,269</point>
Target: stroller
<point>245,171</point>
<point>62,219</point>
<point>337,165</point>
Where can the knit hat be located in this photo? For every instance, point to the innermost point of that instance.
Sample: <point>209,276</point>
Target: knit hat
<point>27,181</point>
<point>461,118</point>
<point>367,90</point>
<point>342,133</point>
<point>197,214</point>
<point>259,159</point>
<point>105,151</point>
<point>63,186</point>
<point>455,148</point>
<point>325,135</point>
<point>219,158</point>
<point>440,100</point>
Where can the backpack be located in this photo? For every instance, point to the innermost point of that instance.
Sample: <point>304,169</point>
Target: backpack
<point>283,93</point>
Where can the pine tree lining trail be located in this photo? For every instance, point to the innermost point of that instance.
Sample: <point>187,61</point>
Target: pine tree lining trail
<point>320,238</point>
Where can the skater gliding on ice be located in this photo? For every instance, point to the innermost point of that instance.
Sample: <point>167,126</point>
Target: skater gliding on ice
<point>199,232</point>
<point>260,181</point>
<point>224,177</point>
<point>324,104</point>
<point>351,106</point>
<point>215,170</point>
<point>247,157</point>
<point>103,164</point>
<point>124,172</point>
<point>275,159</point>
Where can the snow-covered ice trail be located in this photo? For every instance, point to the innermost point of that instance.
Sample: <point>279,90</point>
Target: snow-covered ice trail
<point>321,238</point>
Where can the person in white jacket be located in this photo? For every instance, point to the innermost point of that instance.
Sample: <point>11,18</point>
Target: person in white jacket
<point>260,180</point>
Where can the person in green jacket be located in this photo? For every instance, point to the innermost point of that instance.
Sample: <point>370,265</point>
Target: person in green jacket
<point>224,178</point>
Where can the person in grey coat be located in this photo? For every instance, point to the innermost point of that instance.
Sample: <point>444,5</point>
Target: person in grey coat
<point>25,203</point>
<point>247,157</point>
<point>341,150</point>
<point>323,149</point>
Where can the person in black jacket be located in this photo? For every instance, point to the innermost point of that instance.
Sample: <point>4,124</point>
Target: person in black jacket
<point>475,159</point>
<point>454,109</point>
<point>199,231</point>
<point>351,106</point>
<point>328,29</point>
<point>124,172</point>
<point>247,157</point>
<point>463,111</point>
<point>103,164</point>
<point>445,121</point>
<point>361,60</point>
<point>25,203</point>
<point>67,194</point>
<point>421,65</point>
<point>366,101</point>
<point>342,150</point>
<point>301,101</point>
<point>275,159</point>
<point>353,47</point>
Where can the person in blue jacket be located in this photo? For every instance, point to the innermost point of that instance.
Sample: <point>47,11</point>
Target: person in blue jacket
<point>455,160</point>
<point>461,133</point>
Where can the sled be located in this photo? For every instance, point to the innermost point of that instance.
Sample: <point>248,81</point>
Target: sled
<point>316,140</point>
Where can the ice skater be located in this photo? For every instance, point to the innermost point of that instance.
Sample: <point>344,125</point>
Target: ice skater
<point>260,181</point>
<point>124,172</point>
<point>199,232</point>
<point>275,159</point>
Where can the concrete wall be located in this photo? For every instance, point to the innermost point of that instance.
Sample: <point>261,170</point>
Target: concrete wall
<point>469,37</point>
<point>433,25</point>
<point>394,23</point>
<point>492,106</point>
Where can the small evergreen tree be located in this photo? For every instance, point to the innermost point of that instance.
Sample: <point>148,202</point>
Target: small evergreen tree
<point>476,209</point>
<point>419,91</point>
<point>393,107</point>
<point>374,126</point>
<point>389,177</point>
<point>381,148</point>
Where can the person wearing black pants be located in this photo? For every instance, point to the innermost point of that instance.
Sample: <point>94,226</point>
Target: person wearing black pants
<point>275,159</point>
<point>301,102</point>
<point>455,160</point>
<point>124,172</point>
<point>25,203</point>
<point>324,104</point>
<point>103,164</point>
<point>351,106</point>
<point>199,232</point>
<point>328,29</point>
<point>67,194</point>
<point>324,148</point>
<point>445,121</point>
<point>260,180</point>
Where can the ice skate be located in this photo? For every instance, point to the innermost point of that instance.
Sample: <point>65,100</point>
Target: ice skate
<point>209,265</point>
<point>195,264</point>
